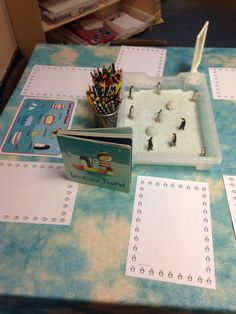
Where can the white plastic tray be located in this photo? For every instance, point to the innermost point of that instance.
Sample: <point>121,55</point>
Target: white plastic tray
<point>185,83</point>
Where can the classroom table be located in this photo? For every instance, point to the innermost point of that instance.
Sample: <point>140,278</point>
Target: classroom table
<point>81,268</point>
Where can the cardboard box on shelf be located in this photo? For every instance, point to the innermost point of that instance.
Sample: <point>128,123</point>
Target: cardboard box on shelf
<point>125,19</point>
<point>152,8</point>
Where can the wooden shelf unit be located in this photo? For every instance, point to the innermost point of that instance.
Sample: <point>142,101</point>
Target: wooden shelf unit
<point>47,26</point>
<point>30,29</point>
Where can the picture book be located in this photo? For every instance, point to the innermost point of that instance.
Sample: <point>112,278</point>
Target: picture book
<point>101,157</point>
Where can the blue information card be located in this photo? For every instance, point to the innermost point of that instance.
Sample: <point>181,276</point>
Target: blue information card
<point>34,127</point>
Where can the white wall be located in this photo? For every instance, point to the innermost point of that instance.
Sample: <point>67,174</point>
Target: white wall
<point>7,39</point>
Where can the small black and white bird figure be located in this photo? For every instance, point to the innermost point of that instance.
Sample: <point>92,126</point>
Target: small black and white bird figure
<point>203,152</point>
<point>150,144</point>
<point>174,140</point>
<point>194,95</point>
<point>182,125</point>
<point>131,92</point>
<point>158,88</point>
<point>159,116</point>
<point>131,112</point>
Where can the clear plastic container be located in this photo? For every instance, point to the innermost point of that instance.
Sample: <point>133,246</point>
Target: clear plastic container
<point>207,151</point>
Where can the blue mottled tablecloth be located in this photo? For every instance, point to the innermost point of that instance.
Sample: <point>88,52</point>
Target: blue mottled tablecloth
<point>81,268</point>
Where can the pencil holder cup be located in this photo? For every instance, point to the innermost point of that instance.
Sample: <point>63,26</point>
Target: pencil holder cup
<point>106,120</point>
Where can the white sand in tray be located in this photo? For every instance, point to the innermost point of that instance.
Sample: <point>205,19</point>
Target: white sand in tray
<point>147,103</point>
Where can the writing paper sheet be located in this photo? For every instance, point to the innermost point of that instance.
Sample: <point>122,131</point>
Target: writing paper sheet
<point>36,192</point>
<point>125,21</point>
<point>230,186</point>
<point>142,59</point>
<point>170,237</point>
<point>223,81</point>
<point>57,81</point>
